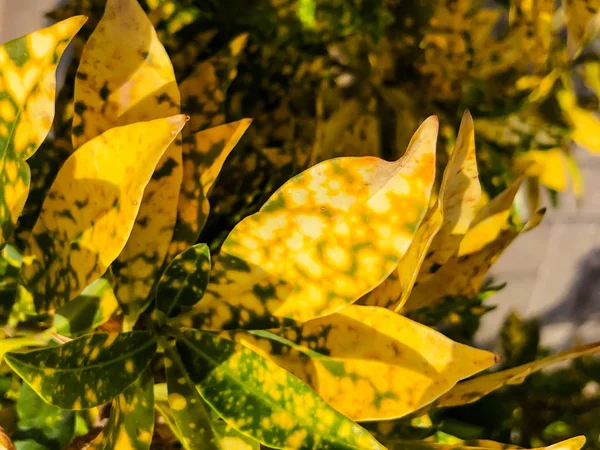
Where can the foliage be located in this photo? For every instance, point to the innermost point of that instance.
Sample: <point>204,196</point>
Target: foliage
<point>295,328</point>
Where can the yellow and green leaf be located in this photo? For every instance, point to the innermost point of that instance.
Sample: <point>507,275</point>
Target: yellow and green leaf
<point>93,307</point>
<point>324,239</point>
<point>262,400</point>
<point>125,76</point>
<point>27,93</point>
<point>188,409</point>
<point>87,371</point>
<point>204,154</point>
<point>91,207</point>
<point>131,421</point>
<point>184,281</point>
<point>472,390</point>
<point>575,443</point>
<point>368,362</point>
<point>464,273</point>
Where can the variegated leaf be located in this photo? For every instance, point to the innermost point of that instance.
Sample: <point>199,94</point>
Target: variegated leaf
<point>184,281</point>
<point>87,371</point>
<point>472,390</point>
<point>575,443</point>
<point>94,306</point>
<point>27,94</point>
<point>299,257</point>
<point>131,421</point>
<point>368,362</point>
<point>125,76</point>
<point>262,400</point>
<point>90,209</point>
<point>204,154</point>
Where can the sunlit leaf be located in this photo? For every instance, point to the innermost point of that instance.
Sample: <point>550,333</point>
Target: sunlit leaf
<point>90,209</point>
<point>188,409</point>
<point>300,256</point>
<point>262,400</point>
<point>368,362</point>
<point>203,156</point>
<point>575,443</point>
<point>87,371</point>
<point>472,390</point>
<point>27,91</point>
<point>125,76</point>
<point>548,165</point>
<point>131,421</point>
<point>464,274</point>
<point>49,425</point>
<point>94,306</point>
<point>459,198</point>
<point>11,344</point>
<point>586,125</point>
<point>184,281</point>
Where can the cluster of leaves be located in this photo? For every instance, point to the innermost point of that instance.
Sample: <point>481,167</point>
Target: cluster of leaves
<point>292,333</point>
<point>328,78</point>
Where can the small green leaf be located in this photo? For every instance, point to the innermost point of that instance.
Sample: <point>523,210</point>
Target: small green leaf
<point>44,423</point>
<point>87,371</point>
<point>185,280</point>
<point>93,307</point>
<point>131,422</point>
<point>262,400</point>
<point>188,410</point>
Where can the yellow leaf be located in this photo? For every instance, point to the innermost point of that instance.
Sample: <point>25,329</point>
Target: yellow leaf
<point>460,193</point>
<point>463,274</point>
<point>125,76</point>
<point>575,443</point>
<point>90,209</point>
<point>547,165</point>
<point>472,390</point>
<point>585,125</point>
<point>204,154</point>
<point>27,94</point>
<point>580,16</point>
<point>370,363</point>
<point>324,239</point>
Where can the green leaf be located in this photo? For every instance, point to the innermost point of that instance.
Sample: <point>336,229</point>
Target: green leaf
<point>93,307</point>
<point>131,422</point>
<point>27,91</point>
<point>46,424</point>
<point>188,409</point>
<point>29,444</point>
<point>575,443</point>
<point>229,437</point>
<point>185,280</point>
<point>261,399</point>
<point>87,371</point>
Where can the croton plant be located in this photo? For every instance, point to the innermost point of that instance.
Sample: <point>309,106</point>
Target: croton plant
<point>127,333</point>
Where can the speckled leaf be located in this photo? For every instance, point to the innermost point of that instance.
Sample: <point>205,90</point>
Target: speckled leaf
<point>261,399</point>
<point>575,443</point>
<point>51,426</point>
<point>472,390</point>
<point>131,421</point>
<point>230,438</point>
<point>126,76</point>
<point>188,409</point>
<point>27,94</point>
<point>443,227</point>
<point>460,193</point>
<point>87,371</point>
<point>299,256</point>
<point>203,91</point>
<point>94,306</point>
<point>11,344</point>
<point>90,209</point>
<point>463,274</point>
<point>203,156</point>
<point>185,280</point>
<point>368,362</point>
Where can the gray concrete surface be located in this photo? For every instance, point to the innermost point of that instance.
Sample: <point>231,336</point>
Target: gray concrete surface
<point>552,272</point>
